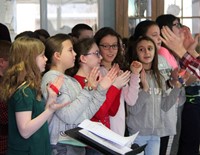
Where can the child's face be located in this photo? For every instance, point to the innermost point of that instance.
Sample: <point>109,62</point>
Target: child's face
<point>41,61</point>
<point>3,66</point>
<point>145,51</point>
<point>109,48</point>
<point>93,57</point>
<point>154,33</point>
<point>67,56</point>
<point>176,28</point>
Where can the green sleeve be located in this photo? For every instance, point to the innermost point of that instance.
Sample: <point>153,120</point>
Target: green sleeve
<point>24,99</point>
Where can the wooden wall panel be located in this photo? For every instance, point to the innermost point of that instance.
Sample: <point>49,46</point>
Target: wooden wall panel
<point>122,17</point>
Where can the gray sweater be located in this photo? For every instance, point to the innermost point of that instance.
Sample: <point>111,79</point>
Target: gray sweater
<point>148,114</point>
<point>83,104</point>
<point>169,117</point>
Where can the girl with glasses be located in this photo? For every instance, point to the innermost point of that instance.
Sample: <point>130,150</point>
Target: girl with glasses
<point>109,45</point>
<point>83,102</point>
<point>89,57</point>
<point>189,114</point>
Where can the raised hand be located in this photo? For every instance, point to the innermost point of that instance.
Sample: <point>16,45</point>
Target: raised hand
<point>190,43</point>
<point>192,48</point>
<point>173,42</point>
<point>52,94</point>
<point>122,79</point>
<point>188,38</point>
<point>54,87</point>
<point>110,77</point>
<point>93,78</point>
<point>136,67</point>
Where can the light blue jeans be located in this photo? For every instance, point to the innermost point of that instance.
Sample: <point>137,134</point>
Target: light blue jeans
<point>153,144</point>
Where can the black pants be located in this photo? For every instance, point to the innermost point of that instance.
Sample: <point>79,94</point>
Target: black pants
<point>190,130</point>
<point>163,145</point>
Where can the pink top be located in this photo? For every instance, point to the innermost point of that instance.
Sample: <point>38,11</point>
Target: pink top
<point>129,94</point>
<point>168,56</point>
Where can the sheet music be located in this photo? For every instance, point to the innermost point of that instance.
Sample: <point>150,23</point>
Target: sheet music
<point>100,130</point>
<point>113,146</point>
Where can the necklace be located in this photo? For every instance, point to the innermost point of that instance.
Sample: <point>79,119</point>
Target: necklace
<point>21,84</point>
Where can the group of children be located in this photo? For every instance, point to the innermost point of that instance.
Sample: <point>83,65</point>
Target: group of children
<point>50,88</point>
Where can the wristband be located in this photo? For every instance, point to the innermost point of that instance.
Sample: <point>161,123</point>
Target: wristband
<point>169,84</point>
<point>55,89</point>
<point>181,80</point>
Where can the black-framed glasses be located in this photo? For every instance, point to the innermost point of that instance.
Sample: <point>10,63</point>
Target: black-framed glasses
<point>178,25</point>
<point>97,53</point>
<point>107,47</point>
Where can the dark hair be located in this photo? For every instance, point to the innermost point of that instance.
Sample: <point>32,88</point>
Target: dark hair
<point>81,48</point>
<point>54,44</point>
<point>142,28</point>
<point>29,34</point>
<point>76,30</point>
<point>4,33</point>
<point>105,31</point>
<point>5,49</point>
<point>134,57</point>
<point>166,20</point>
<point>43,34</point>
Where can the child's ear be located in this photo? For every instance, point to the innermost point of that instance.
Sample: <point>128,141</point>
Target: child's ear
<point>57,55</point>
<point>1,61</point>
<point>83,59</point>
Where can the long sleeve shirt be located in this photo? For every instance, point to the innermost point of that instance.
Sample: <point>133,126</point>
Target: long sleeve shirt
<point>110,105</point>
<point>83,104</point>
<point>191,63</point>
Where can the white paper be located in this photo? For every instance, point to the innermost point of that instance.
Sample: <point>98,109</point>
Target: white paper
<point>113,146</point>
<point>102,131</point>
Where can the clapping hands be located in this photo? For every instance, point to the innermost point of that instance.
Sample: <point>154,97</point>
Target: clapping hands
<point>51,103</point>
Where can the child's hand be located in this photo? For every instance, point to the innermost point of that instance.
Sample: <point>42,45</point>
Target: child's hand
<point>110,77</point>
<point>93,78</point>
<point>144,80</point>
<point>136,67</point>
<point>122,79</point>
<point>172,41</point>
<point>54,87</point>
<point>53,106</point>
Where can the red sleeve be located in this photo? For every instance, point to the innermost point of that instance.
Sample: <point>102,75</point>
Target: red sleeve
<point>115,106</point>
<point>192,63</point>
<point>110,105</point>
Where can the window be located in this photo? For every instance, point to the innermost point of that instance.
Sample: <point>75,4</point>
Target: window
<point>138,10</point>
<point>188,12</point>
<point>61,16</point>
<point>19,15</point>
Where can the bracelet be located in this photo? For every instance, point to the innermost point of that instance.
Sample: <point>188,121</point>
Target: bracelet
<point>88,88</point>
<point>55,89</point>
<point>181,80</point>
<point>169,84</point>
